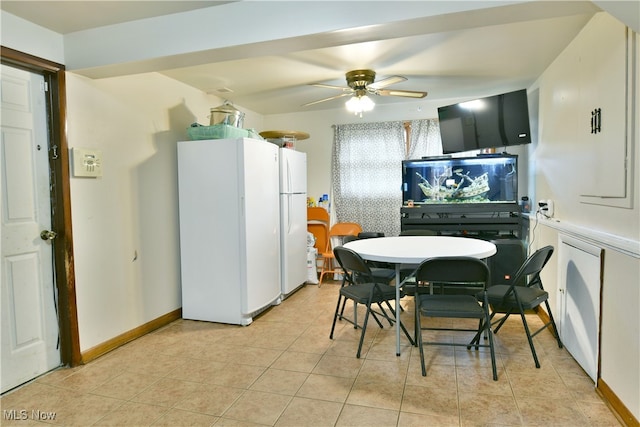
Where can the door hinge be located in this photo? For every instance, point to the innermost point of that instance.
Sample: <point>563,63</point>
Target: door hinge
<point>44,86</point>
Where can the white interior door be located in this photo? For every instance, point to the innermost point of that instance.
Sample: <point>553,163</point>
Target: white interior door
<point>29,320</point>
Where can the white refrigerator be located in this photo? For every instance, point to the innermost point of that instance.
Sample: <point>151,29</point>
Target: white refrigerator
<point>293,219</point>
<point>229,228</point>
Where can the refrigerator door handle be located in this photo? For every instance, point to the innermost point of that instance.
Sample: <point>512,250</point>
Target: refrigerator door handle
<point>290,206</point>
<point>289,183</point>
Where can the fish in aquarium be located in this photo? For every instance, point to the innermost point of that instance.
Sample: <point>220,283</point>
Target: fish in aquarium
<point>479,179</point>
<point>466,189</point>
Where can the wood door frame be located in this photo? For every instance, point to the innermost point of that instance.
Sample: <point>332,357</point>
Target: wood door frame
<point>64,271</point>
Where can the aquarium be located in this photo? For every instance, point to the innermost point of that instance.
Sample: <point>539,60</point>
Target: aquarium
<point>484,178</point>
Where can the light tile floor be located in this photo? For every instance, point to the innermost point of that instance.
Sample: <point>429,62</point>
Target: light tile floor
<point>283,370</point>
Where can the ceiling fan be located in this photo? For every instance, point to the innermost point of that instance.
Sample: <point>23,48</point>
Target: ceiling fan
<point>362,83</point>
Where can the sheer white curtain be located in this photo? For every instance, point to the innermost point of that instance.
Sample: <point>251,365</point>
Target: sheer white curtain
<point>424,139</point>
<point>367,176</point>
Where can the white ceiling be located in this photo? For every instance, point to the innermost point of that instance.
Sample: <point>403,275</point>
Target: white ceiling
<point>467,54</point>
<point>70,16</point>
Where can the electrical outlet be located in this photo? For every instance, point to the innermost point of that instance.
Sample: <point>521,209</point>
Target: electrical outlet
<point>550,208</point>
<point>546,208</point>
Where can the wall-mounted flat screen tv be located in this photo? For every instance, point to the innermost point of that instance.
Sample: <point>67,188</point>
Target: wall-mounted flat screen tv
<point>491,122</point>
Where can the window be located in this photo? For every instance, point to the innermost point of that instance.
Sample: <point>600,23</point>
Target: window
<point>366,169</point>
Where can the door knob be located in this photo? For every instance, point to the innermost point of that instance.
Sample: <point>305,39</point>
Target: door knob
<point>48,235</point>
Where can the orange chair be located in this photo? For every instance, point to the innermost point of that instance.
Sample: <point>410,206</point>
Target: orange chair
<point>318,224</point>
<point>339,230</point>
<point>317,214</point>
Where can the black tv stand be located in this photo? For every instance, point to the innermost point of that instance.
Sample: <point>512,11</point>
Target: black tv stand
<point>484,220</point>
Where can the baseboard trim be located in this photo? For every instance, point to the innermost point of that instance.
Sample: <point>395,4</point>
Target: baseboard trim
<point>620,410</point>
<point>110,345</point>
<point>624,415</point>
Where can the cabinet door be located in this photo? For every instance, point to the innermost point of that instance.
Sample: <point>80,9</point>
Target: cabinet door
<point>579,289</point>
<point>602,117</point>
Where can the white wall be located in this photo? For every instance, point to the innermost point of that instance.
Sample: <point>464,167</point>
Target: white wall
<point>125,223</point>
<point>23,36</point>
<point>565,130</point>
<point>617,230</point>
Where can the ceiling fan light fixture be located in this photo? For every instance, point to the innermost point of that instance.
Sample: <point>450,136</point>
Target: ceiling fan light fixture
<point>361,83</point>
<point>359,104</point>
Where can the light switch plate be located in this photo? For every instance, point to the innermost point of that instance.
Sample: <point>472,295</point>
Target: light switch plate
<point>87,163</point>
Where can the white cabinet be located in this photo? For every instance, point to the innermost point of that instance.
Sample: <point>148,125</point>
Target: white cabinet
<point>589,93</point>
<point>579,290</point>
<point>601,50</point>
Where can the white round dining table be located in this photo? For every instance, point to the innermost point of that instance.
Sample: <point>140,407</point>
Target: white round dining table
<point>412,250</point>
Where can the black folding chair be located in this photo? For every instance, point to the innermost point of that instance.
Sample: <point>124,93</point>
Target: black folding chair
<point>520,295</point>
<point>463,277</point>
<point>360,286</point>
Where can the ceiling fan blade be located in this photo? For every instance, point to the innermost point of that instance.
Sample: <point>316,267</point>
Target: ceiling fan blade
<point>326,99</point>
<point>405,93</point>
<point>342,88</point>
<point>387,82</point>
